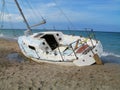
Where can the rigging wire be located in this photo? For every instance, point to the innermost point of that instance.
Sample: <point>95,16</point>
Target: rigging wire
<point>2,14</point>
<point>38,14</point>
<point>9,17</point>
<point>22,3</point>
<point>64,15</point>
<point>10,22</point>
<point>34,11</point>
<point>5,15</point>
<point>69,21</point>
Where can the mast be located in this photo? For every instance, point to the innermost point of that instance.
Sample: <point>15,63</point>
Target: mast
<point>27,24</point>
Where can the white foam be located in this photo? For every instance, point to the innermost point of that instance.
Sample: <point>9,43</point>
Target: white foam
<point>110,54</point>
<point>7,37</point>
<point>1,35</point>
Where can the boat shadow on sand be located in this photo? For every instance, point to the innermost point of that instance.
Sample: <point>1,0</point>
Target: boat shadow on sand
<point>17,57</point>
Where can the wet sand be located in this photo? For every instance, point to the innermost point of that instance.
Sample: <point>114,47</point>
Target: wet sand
<point>26,75</point>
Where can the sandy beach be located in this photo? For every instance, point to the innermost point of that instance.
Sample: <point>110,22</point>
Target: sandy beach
<point>28,75</point>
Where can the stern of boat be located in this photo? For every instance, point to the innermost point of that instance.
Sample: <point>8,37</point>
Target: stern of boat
<point>91,55</point>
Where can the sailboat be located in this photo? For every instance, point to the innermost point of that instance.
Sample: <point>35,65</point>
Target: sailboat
<point>55,46</point>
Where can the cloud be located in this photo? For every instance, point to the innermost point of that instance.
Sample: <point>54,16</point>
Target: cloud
<point>77,12</point>
<point>57,16</point>
<point>50,5</point>
<point>12,18</point>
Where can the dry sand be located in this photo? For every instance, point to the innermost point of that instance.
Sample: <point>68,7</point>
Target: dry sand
<point>27,75</point>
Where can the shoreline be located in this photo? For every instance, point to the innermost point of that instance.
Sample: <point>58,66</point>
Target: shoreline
<point>28,75</point>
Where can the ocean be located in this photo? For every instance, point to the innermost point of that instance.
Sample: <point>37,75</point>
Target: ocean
<point>109,40</point>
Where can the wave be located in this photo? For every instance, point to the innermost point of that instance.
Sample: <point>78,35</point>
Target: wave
<point>108,57</point>
<point>110,54</point>
<point>1,35</point>
<point>8,37</point>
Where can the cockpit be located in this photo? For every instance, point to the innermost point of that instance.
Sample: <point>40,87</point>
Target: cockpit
<point>51,39</point>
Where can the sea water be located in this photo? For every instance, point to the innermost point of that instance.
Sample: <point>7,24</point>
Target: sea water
<point>109,40</point>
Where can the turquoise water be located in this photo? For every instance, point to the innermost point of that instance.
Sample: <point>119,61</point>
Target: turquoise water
<point>109,40</point>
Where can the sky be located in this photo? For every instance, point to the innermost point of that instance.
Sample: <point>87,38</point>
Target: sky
<point>100,15</point>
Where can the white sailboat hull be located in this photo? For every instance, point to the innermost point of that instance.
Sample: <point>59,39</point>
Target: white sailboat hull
<point>40,47</point>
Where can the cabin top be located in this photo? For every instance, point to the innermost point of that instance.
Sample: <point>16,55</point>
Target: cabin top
<point>41,34</point>
<point>52,39</point>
